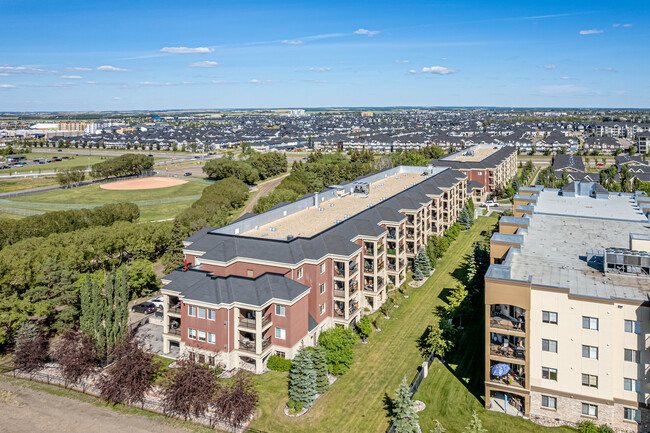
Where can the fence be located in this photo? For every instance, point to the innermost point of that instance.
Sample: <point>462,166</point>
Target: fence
<point>416,383</point>
<point>70,206</point>
<point>152,402</point>
<point>18,211</point>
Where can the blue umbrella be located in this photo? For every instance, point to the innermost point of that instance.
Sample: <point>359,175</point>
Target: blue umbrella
<point>499,370</point>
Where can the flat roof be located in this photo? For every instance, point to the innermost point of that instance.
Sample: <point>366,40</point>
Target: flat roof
<point>310,221</point>
<point>472,154</point>
<point>560,232</point>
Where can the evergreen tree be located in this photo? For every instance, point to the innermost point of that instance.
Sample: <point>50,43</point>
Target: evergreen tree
<point>109,308</point>
<point>85,320</point>
<point>421,266</point>
<point>405,418</point>
<point>320,366</point>
<point>464,218</point>
<point>516,184</point>
<point>471,268</point>
<point>475,425</point>
<point>98,316</point>
<point>302,380</point>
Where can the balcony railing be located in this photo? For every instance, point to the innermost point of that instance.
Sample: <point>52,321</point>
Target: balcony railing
<point>173,331</point>
<point>402,263</point>
<point>510,380</point>
<point>251,323</point>
<point>175,309</point>
<point>353,308</point>
<point>338,311</point>
<point>391,267</point>
<point>266,343</point>
<point>353,267</point>
<point>507,323</point>
<point>391,251</point>
<point>380,248</point>
<point>508,351</point>
<point>339,272</point>
<point>380,266</point>
<point>339,293</point>
<point>247,345</point>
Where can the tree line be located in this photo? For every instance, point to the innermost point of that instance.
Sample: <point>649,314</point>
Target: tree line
<point>258,166</point>
<point>12,231</point>
<point>123,165</point>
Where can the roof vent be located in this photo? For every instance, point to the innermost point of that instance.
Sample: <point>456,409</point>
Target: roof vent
<point>369,204</point>
<point>320,209</point>
<point>289,237</point>
<point>331,204</point>
<point>337,221</point>
<point>272,229</point>
<point>346,216</point>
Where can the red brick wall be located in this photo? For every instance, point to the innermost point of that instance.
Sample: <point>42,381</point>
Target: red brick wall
<point>217,326</point>
<point>295,322</point>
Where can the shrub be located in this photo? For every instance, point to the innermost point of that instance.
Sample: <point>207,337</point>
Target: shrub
<point>605,429</point>
<point>587,427</point>
<point>278,363</point>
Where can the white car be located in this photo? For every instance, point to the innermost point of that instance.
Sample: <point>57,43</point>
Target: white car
<point>489,203</point>
<point>158,302</point>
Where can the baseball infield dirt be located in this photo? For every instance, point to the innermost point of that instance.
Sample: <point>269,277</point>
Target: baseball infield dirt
<point>143,183</point>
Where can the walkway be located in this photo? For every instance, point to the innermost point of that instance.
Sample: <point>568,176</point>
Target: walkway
<point>263,190</point>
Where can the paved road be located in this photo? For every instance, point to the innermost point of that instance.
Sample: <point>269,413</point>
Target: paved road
<point>25,410</point>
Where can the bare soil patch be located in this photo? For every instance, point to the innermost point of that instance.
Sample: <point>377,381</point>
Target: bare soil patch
<point>143,183</point>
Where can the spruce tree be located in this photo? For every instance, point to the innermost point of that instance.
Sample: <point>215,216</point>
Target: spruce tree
<point>464,219</point>
<point>86,318</point>
<point>109,307</point>
<point>320,366</point>
<point>421,266</point>
<point>405,418</point>
<point>302,385</point>
<point>98,316</point>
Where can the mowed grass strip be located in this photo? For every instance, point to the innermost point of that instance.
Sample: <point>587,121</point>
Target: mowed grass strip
<point>21,184</point>
<point>94,194</point>
<point>81,161</point>
<point>357,402</point>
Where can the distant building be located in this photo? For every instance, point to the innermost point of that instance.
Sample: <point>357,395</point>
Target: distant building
<point>643,142</point>
<point>297,113</point>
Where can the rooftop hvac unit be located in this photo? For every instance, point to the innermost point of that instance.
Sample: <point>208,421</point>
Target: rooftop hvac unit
<point>369,204</point>
<point>397,177</point>
<point>272,229</point>
<point>346,216</point>
<point>337,221</point>
<point>289,237</point>
<point>320,209</point>
<point>331,204</point>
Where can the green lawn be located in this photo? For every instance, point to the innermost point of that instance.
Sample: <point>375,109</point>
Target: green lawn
<point>357,401</point>
<point>163,211</point>
<point>74,161</point>
<point>11,185</point>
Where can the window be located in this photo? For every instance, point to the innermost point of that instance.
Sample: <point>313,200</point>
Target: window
<point>549,402</point>
<point>321,308</point>
<point>281,333</point>
<point>201,336</point>
<point>549,346</point>
<point>590,380</point>
<point>549,317</point>
<point>549,373</point>
<point>590,323</point>
<point>322,288</point>
<point>590,410</point>
<point>631,414</point>
<point>250,273</point>
<point>212,338</point>
<point>200,313</point>
<point>280,310</point>
<point>322,268</point>
<point>299,273</point>
<point>191,310</point>
<point>211,314</point>
<point>632,326</point>
<point>191,333</point>
<point>589,352</point>
<point>630,384</point>
<point>632,355</point>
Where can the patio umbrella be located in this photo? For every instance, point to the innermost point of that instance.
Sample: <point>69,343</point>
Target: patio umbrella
<point>500,369</point>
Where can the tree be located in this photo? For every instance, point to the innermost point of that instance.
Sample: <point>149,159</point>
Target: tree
<point>438,428</point>
<point>421,266</point>
<point>437,339</point>
<point>236,402</point>
<point>130,377</point>
<point>475,425</point>
<point>364,327</point>
<point>223,168</point>
<point>463,218</point>
<point>141,278</point>
<point>455,301</point>
<point>632,150</point>
<point>76,355</point>
<point>338,343</point>
<point>405,419</point>
<point>190,391</point>
<point>302,379</point>
<point>318,358</point>
<point>436,248</point>
<point>30,352</point>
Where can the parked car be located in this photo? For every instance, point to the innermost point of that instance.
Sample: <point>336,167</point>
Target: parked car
<point>489,203</point>
<point>188,174</point>
<point>158,302</point>
<point>145,307</point>
<point>59,150</point>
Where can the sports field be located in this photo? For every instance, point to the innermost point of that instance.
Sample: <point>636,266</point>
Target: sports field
<point>155,204</point>
<point>73,162</point>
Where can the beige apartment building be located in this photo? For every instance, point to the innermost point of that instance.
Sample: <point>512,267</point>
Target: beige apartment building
<point>567,311</point>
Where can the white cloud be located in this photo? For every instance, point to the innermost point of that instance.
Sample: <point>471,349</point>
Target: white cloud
<point>591,32</point>
<point>116,98</point>
<point>111,69</point>
<point>320,69</point>
<point>72,77</point>
<point>443,58</point>
<point>549,67</point>
<point>222,82</point>
<point>7,86</point>
<point>288,42</point>
<point>24,70</point>
<point>255,81</point>
<point>608,69</point>
<point>91,82</point>
<point>627,25</point>
<point>186,50</point>
<point>565,78</point>
<point>401,61</point>
<point>79,69</point>
<point>366,32</point>
<point>205,64</point>
<point>439,70</point>
<point>149,83</point>
<point>413,72</point>
<point>562,89</point>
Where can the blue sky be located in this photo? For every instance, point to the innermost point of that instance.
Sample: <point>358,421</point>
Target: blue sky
<point>120,55</point>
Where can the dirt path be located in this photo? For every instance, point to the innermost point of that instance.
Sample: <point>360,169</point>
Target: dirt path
<point>264,189</point>
<point>26,410</point>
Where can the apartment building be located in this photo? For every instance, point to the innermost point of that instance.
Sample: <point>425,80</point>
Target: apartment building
<point>490,165</point>
<point>566,308</point>
<point>621,129</point>
<point>270,283</point>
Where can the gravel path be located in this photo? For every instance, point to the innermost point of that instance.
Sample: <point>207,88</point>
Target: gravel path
<point>26,410</point>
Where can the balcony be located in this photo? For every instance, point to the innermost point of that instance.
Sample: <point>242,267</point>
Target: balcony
<point>339,293</point>
<point>247,345</point>
<point>174,309</point>
<point>391,251</point>
<point>380,266</point>
<point>369,249</point>
<point>392,234</point>
<point>251,323</point>
<point>410,235</point>
<point>402,264</point>
<point>507,323</point>
<point>339,269</point>
<point>353,308</point>
<point>339,309</point>
<point>266,343</point>
<point>380,248</point>
<point>508,351</point>
<point>510,380</point>
<point>354,286</point>
<point>174,331</point>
